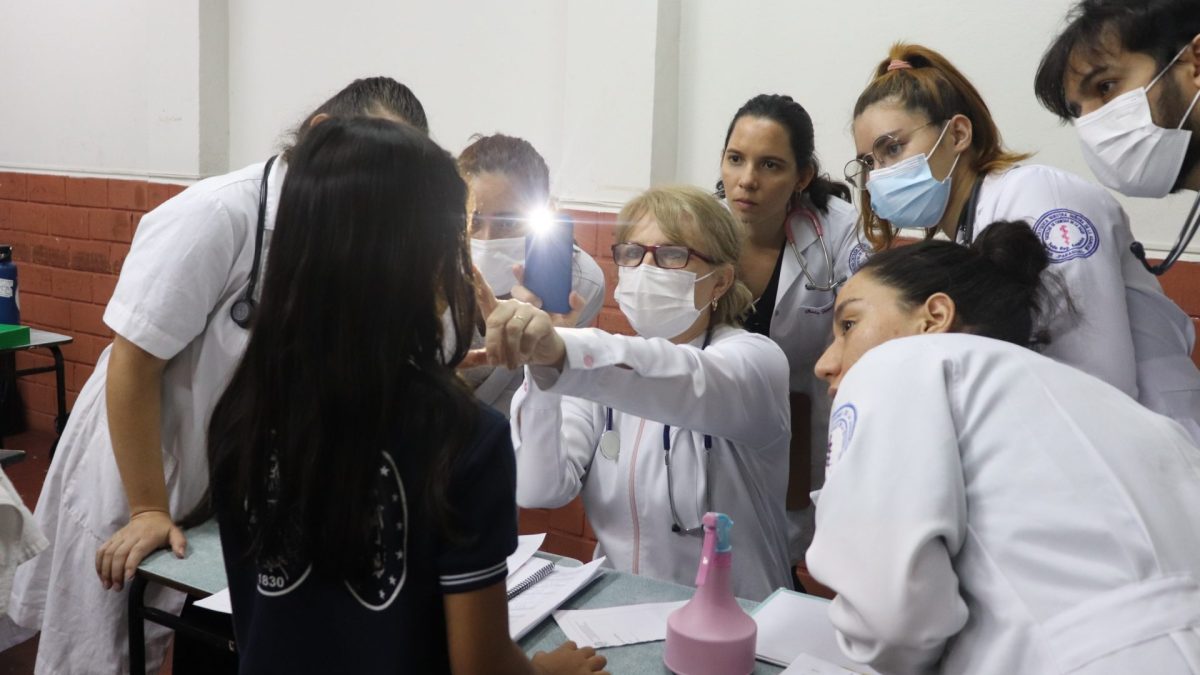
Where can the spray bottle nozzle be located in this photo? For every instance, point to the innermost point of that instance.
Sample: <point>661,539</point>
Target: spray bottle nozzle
<point>716,540</point>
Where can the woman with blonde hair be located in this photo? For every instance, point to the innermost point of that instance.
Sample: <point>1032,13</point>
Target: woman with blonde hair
<point>930,158</point>
<point>689,416</point>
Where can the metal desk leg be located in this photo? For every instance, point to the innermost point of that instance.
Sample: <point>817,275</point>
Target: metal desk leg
<point>137,627</point>
<point>60,388</point>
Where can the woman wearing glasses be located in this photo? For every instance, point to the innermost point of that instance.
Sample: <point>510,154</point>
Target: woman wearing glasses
<point>930,158</point>
<point>800,246</point>
<point>690,416</point>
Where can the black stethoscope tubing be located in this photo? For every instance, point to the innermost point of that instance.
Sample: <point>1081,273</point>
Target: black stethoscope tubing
<point>242,310</point>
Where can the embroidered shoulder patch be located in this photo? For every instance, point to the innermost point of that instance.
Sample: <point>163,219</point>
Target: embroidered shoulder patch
<point>841,431</point>
<point>1067,235</point>
<point>858,256</point>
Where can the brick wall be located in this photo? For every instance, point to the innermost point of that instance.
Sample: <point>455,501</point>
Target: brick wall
<point>70,236</point>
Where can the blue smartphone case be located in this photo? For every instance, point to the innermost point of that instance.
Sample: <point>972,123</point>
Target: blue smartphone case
<point>549,256</point>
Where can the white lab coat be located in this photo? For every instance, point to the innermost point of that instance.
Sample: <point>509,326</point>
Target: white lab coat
<point>1127,332</point>
<point>989,510</point>
<point>802,326</point>
<point>190,260</point>
<point>20,538</point>
<point>495,385</point>
<point>735,390</point>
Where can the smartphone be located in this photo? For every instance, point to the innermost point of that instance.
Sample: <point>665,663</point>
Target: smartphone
<point>549,256</point>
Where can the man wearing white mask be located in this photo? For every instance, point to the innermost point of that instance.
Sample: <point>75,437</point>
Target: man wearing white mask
<point>509,183</point>
<point>930,157</point>
<point>1127,74</point>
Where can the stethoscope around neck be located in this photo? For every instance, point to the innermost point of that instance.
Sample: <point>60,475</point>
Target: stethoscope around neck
<point>610,447</point>
<point>832,283</point>
<point>242,310</point>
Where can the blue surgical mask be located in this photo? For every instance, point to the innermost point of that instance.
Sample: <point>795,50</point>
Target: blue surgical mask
<point>907,195</point>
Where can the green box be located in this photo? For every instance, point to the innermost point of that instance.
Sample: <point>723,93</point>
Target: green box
<point>13,336</point>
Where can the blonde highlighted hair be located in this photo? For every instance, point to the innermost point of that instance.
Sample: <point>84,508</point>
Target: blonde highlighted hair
<point>695,218</point>
<point>932,86</point>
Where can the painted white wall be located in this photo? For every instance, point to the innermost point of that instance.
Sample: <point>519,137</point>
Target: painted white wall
<point>822,55</point>
<point>101,87</point>
<point>476,66</point>
<point>617,94</point>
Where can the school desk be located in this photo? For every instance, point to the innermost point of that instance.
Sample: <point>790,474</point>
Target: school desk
<point>202,573</point>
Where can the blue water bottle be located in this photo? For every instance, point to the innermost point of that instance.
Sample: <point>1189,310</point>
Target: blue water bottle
<point>10,304</point>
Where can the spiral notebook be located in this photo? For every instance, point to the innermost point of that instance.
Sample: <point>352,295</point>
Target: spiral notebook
<point>528,574</point>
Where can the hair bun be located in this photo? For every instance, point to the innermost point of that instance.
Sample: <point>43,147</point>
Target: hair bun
<point>1014,250</point>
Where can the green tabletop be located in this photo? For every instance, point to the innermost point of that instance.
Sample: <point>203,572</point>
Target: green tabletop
<point>40,338</point>
<point>202,572</point>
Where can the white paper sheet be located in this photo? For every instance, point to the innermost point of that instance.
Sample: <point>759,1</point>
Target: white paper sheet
<point>616,626</point>
<point>527,545</point>
<point>529,608</point>
<point>811,665</point>
<point>791,624</point>
<point>217,602</point>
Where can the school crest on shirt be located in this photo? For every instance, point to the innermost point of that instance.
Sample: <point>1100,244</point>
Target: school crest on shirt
<point>389,528</point>
<point>282,573</point>
<point>1067,235</point>
<point>858,256</point>
<point>841,431</point>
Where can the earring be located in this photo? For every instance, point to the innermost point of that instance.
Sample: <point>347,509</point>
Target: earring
<point>714,304</point>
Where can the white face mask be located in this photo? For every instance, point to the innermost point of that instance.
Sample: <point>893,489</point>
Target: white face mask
<point>658,302</point>
<point>1127,151</point>
<point>495,259</point>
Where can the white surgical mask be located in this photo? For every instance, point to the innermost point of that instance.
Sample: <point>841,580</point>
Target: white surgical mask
<point>1127,151</point>
<point>495,259</point>
<point>658,302</point>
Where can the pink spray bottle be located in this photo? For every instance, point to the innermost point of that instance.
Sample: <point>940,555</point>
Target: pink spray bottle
<point>711,634</point>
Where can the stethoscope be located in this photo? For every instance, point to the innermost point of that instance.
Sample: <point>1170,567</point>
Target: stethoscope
<point>833,282</point>
<point>610,447</point>
<point>242,310</point>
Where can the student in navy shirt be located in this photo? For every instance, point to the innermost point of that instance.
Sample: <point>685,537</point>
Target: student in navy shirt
<point>366,500</point>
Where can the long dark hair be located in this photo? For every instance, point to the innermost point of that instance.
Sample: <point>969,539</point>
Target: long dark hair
<point>795,119</point>
<point>997,283</point>
<point>345,356</point>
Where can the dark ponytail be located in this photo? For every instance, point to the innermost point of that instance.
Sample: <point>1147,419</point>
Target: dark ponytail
<point>793,117</point>
<point>996,283</point>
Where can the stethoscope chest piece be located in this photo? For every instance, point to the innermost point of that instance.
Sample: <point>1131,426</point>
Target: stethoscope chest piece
<point>610,444</point>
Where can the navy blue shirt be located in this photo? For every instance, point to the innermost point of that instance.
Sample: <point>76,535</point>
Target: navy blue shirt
<point>289,619</point>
